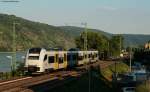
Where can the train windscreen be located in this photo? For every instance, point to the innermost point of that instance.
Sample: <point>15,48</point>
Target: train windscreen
<point>35,50</point>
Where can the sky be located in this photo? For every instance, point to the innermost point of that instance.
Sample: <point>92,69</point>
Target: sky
<point>113,16</point>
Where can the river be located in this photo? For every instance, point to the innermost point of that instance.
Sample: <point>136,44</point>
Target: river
<point>5,62</point>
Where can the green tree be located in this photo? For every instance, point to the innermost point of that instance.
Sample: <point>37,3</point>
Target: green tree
<point>95,40</point>
<point>116,45</point>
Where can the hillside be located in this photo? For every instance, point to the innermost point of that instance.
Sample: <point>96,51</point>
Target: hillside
<point>35,34</point>
<point>31,34</point>
<point>129,39</point>
<point>75,31</point>
<point>135,39</point>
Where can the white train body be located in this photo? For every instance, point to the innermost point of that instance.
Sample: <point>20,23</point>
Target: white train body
<point>39,60</point>
<point>34,59</point>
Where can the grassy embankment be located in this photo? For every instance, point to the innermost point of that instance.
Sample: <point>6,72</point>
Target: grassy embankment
<point>119,68</point>
<point>10,75</point>
<point>100,80</point>
<point>13,74</point>
<point>145,87</point>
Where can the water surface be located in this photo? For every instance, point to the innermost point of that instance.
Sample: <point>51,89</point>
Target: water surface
<point>5,62</point>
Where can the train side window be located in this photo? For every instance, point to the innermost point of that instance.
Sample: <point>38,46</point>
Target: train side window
<point>60,59</point>
<point>51,59</point>
<point>80,57</point>
<point>45,57</point>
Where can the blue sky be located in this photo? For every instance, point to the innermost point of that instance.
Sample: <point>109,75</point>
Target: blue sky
<point>114,16</point>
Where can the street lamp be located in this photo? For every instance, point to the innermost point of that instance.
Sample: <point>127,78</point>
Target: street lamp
<point>10,57</point>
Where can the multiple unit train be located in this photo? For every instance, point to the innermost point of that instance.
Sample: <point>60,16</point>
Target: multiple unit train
<point>40,60</point>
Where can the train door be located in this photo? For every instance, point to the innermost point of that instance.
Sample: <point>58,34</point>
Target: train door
<point>68,59</point>
<point>76,58</point>
<point>85,58</point>
<point>96,55</point>
<point>72,59</point>
<point>61,60</point>
<point>90,57</point>
<point>65,60</point>
<point>52,60</point>
<point>56,64</point>
<point>93,57</point>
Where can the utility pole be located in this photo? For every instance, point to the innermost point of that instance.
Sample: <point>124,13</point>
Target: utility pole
<point>130,59</point>
<point>10,57</point>
<point>86,55</point>
<point>85,41</point>
<point>120,45</point>
<point>108,50</point>
<point>14,47</point>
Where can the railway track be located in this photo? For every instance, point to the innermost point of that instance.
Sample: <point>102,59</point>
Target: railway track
<point>22,84</point>
<point>55,83</point>
<point>12,79</point>
<point>101,64</point>
<point>45,81</point>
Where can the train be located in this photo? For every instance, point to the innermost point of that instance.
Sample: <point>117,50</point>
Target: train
<point>40,60</point>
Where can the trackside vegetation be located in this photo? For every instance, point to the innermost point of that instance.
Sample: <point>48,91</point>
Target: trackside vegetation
<point>118,68</point>
<point>108,46</point>
<point>19,72</point>
<point>144,87</point>
<point>100,80</point>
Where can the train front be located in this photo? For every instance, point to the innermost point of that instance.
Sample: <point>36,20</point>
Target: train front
<point>34,60</point>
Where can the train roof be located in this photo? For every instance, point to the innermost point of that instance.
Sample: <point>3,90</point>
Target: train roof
<point>54,49</point>
<point>74,49</point>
